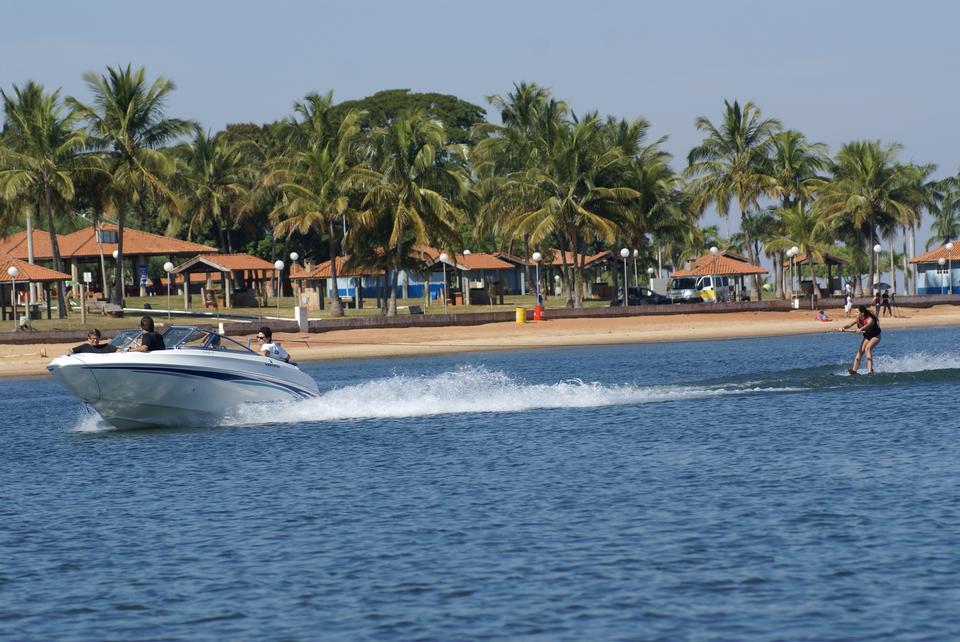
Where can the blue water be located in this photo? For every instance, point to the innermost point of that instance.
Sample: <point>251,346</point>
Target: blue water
<point>735,490</point>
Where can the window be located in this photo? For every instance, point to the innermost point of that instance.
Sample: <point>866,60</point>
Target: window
<point>943,269</point>
<point>106,236</point>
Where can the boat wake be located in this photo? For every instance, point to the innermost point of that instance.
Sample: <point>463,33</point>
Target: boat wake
<point>471,389</point>
<point>477,389</point>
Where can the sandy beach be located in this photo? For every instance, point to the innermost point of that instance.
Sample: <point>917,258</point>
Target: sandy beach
<point>31,360</point>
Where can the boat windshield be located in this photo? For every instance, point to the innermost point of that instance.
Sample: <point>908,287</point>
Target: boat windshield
<point>124,338</point>
<point>197,338</point>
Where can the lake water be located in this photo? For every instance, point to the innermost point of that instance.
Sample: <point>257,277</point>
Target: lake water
<point>727,490</point>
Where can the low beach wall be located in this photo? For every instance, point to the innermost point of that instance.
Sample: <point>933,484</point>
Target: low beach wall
<point>499,316</point>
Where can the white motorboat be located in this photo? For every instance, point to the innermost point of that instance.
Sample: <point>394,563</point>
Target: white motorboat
<point>201,377</point>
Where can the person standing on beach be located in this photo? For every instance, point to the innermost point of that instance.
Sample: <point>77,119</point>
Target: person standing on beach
<point>876,303</point>
<point>847,303</point>
<point>869,326</point>
<point>885,308</point>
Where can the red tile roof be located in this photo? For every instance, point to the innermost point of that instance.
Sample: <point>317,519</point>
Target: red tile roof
<point>16,245</point>
<point>725,264</point>
<point>938,253</point>
<point>560,256</point>
<point>28,272</point>
<point>223,263</point>
<point>83,244</point>
<point>322,271</point>
<point>472,261</point>
<point>829,259</point>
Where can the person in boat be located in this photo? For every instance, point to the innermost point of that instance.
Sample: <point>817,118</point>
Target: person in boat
<point>149,340</point>
<point>869,326</point>
<point>268,348</point>
<point>93,345</point>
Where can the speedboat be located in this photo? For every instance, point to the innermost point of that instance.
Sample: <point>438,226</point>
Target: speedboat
<point>200,378</point>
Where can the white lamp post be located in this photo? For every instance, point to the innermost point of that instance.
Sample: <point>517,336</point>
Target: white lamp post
<point>278,264</point>
<point>443,260</point>
<point>168,268</point>
<point>636,277</point>
<point>466,252</point>
<point>650,272</point>
<point>950,267</point>
<point>13,271</point>
<point>293,261</point>
<point>537,257</point>
<point>556,287</point>
<point>941,262</point>
<point>794,268</point>
<point>876,253</point>
<point>624,253</point>
<point>116,255</point>
<point>714,250</point>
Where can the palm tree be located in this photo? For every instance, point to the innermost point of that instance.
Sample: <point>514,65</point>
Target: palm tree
<point>42,158</point>
<point>319,186</point>
<point>869,191</point>
<point>503,150</point>
<point>415,183</point>
<point>732,162</point>
<point>801,227</point>
<point>127,122</point>
<point>214,180</point>
<point>578,194</point>
<point>796,166</point>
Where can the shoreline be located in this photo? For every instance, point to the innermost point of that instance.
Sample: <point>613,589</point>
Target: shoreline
<point>30,360</point>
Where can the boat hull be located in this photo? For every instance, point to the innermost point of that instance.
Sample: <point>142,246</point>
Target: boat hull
<point>178,387</point>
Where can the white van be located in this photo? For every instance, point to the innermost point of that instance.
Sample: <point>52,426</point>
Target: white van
<point>696,289</point>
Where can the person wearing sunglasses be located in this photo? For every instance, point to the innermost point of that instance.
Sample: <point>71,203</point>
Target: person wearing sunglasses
<point>92,345</point>
<point>268,348</point>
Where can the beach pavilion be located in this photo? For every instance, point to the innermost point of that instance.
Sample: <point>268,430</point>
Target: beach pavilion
<point>243,278</point>
<point>477,276</point>
<point>315,282</point>
<point>830,261</point>
<point>25,274</point>
<point>516,281</point>
<point>936,270</point>
<point>90,248</point>
<point>722,264</point>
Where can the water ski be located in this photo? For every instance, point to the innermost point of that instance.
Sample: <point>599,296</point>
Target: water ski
<point>852,371</point>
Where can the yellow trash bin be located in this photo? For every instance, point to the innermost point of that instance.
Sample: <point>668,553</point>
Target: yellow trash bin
<point>521,315</point>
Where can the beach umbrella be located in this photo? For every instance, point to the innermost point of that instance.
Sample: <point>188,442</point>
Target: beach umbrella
<point>882,286</point>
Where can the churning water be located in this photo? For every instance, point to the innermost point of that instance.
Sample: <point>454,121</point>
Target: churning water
<point>729,490</point>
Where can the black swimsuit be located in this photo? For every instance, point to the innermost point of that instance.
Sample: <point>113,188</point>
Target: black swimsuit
<point>873,330</point>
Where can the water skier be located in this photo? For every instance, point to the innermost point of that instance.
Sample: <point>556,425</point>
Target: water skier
<point>869,326</point>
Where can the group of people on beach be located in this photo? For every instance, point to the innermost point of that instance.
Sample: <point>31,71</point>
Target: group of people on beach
<point>150,340</point>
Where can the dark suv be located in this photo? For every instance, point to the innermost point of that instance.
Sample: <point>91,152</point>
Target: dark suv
<point>640,296</point>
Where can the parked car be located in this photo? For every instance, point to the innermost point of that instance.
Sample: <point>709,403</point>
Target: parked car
<point>694,289</point>
<point>640,296</point>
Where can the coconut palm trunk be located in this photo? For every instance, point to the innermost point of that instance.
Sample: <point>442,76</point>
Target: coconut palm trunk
<point>57,261</point>
<point>118,271</point>
<point>751,251</point>
<point>336,304</point>
<point>392,301</point>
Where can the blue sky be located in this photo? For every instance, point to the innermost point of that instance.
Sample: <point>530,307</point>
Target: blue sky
<point>837,71</point>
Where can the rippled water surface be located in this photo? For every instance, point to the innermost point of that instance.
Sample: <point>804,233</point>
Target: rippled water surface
<point>737,490</point>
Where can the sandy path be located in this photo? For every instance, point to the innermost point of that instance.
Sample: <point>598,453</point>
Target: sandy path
<point>31,360</point>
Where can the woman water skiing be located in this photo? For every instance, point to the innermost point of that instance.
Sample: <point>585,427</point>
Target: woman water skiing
<point>869,326</point>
